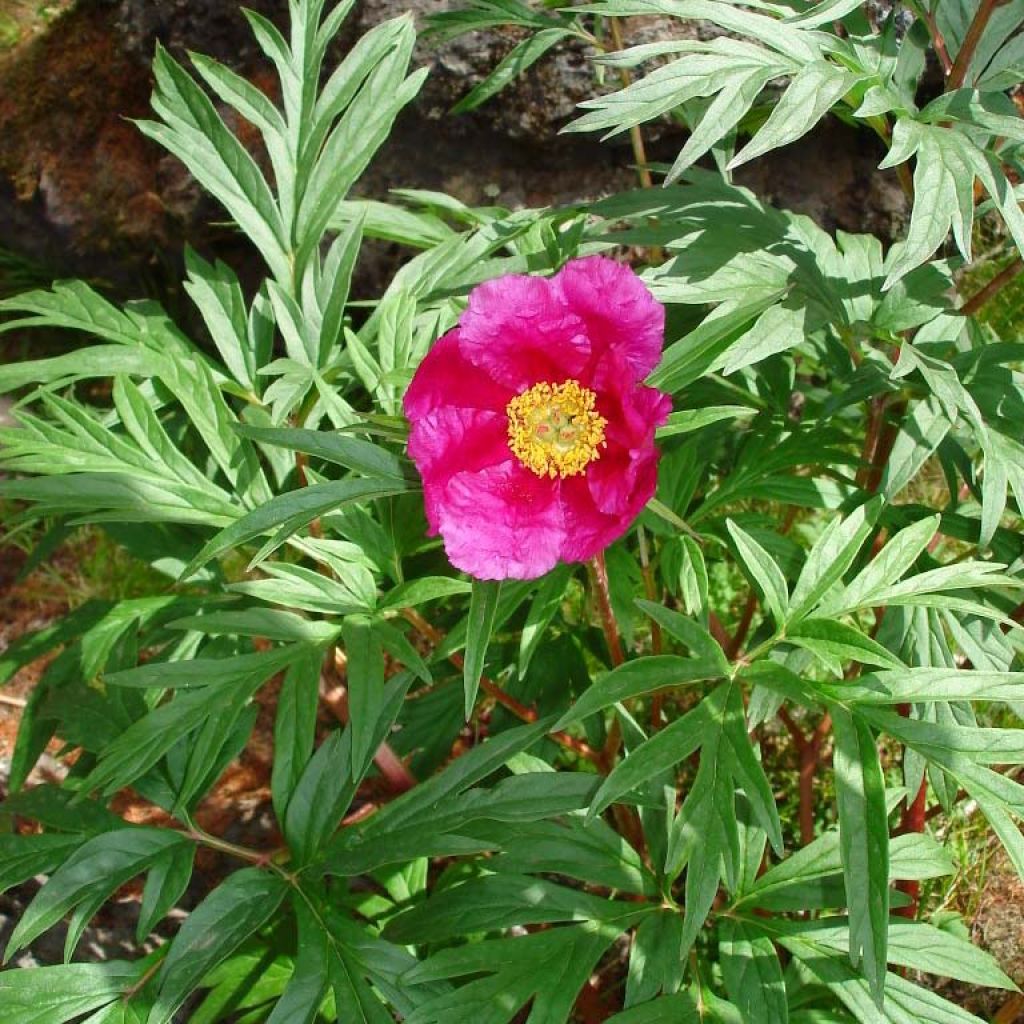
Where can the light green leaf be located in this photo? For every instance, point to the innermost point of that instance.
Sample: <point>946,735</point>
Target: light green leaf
<point>864,843</point>
<point>512,65</point>
<point>765,571</point>
<point>753,975</point>
<point>836,640</point>
<point>289,512</point>
<point>634,678</point>
<point>483,606</point>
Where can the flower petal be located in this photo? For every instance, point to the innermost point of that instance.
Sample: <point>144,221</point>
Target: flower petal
<point>589,526</point>
<point>447,441</point>
<point>446,377</point>
<point>620,314</point>
<point>503,522</point>
<point>518,329</point>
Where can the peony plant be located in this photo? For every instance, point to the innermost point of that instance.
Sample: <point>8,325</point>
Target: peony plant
<point>633,587</point>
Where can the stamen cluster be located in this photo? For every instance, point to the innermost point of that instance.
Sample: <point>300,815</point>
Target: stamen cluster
<point>553,429</point>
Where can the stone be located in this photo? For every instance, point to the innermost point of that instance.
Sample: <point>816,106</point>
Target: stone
<point>85,194</point>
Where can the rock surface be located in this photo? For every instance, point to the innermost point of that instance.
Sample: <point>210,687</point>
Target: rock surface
<point>83,192</point>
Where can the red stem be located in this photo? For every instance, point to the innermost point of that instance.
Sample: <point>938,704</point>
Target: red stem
<point>492,689</point>
<point>1000,281</point>
<point>975,30</point>
<point>599,576</point>
<point>389,764</point>
<point>743,628</point>
<point>913,820</point>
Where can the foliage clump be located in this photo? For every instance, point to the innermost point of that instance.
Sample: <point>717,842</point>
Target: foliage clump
<point>552,799</point>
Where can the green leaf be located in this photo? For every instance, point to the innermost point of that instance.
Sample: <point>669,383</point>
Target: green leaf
<point>426,588</point>
<point>371,460</point>
<point>864,843</point>
<point>688,632</point>
<point>195,133</point>
<point>638,677</point>
<point>903,1000</point>
<point>268,623</point>
<point>666,748</point>
<point>831,556</point>
<point>763,568</point>
<point>365,675</point>
<point>548,968</point>
<point>24,857</point>
<point>53,995</point>
<point>93,361</point>
<point>483,605</point>
<point>812,92</point>
<point>680,1008</point>
<point>704,836</point>
<point>778,329</point>
<point>307,986</point>
<point>836,640</point>
<point>90,875</point>
<point>289,512</point>
<point>320,797</point>
<point>294,728</point>
<point>146,741</point>
<point>543,609</point>
<point>916,945</point>
<point>921,433</point>
<point>218,295</point>
<point>425,800</point>
<point>497,902</point>
<point>203,672</point>
<point>888,566</point>
<point>168,879</point>
<point>686,421</point>
<point>656,961</point>
<point>592,852</point>
<point>911,856</point>
<point>212,932</point>
<point>949,161</point>
<point>513,64</point>
<point>753,975</point>
<point>687,359</point>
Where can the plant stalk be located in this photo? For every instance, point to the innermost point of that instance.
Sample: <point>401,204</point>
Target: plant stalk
<point>958,73</point>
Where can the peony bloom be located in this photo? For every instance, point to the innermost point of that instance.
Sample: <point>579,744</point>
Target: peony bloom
<point>529,422</point>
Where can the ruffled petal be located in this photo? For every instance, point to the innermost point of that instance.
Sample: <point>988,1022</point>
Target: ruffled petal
<point>588,527</point>
<point>601,505</point>
<point>519,331</point>
<point>447,441</point>
<point>446,377</point>
<point>632,412</point>
<point>502,522</point>
<point>620,314</point>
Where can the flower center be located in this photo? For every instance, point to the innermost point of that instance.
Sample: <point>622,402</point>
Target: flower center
<point>553,429</point>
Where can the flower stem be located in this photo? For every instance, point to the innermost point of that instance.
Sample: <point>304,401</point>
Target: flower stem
<point>938,40</point>
<point>958,73</point>
<point>913,820</point>
<point>391,767</point>
<point>599,578</point>
<point>743,628</point>
<point>996,285</point>
<point>636,140</point>
<point>493,690</point>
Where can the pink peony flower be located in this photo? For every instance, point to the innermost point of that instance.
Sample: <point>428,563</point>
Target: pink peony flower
<point>530,427</point>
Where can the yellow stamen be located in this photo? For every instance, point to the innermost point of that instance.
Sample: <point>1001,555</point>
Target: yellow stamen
<point>553,429</point>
